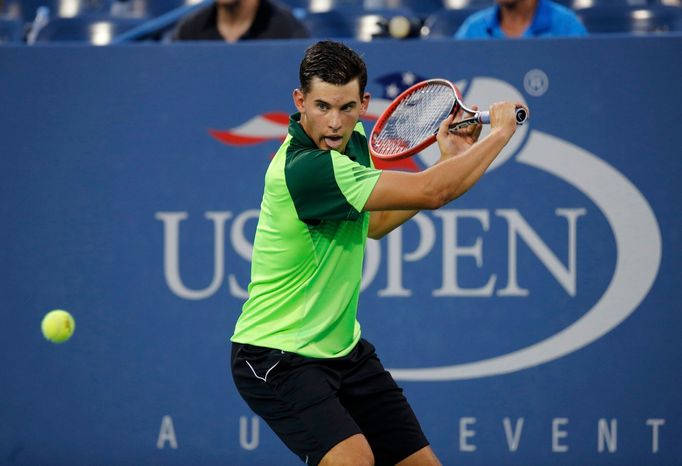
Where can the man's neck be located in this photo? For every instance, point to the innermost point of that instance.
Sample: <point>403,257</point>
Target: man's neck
<point>516,17</point>
<point>235,18</point>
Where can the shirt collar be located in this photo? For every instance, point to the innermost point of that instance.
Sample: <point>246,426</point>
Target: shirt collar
<point>297,132</point>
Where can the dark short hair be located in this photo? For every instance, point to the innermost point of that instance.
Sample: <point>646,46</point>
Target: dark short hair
<point>333,63</point>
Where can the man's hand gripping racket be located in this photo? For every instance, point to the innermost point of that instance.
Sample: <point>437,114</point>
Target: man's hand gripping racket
<point>411,122</point>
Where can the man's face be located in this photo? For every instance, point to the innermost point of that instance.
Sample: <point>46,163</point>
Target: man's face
<point>329,112</point>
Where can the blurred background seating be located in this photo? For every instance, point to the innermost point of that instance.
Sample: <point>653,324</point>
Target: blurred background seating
<point>298,7</point>
<point>421,8</point>
<point>26,10</point>
<point>148,8</point>
<point>350,21</point>
<point>444,23</point>
<point>644,19</point>
<point>336,19</point>
<point>320,6</point>
<point>91,29</point>
<point>581,4</point>
<point>11,31</point>
<point>381,23</point>
<point>332,23</point>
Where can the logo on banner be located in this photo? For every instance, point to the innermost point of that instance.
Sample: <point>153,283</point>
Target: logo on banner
<point>629,216</point>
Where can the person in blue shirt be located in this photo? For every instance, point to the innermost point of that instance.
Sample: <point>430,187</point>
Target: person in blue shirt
<point>521,18</point>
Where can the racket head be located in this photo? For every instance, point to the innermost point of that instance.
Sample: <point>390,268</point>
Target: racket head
<point>411,121</point>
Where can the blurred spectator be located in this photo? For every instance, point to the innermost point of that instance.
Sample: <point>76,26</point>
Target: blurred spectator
<point>233,20</point>
<point>521,18</point>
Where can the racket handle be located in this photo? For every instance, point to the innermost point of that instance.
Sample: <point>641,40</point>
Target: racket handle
<point>521,116</point>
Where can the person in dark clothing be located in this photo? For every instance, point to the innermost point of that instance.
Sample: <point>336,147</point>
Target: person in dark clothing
<point>236,20</point>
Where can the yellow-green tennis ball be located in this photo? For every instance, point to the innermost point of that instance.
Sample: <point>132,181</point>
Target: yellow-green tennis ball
<point>58,326</point>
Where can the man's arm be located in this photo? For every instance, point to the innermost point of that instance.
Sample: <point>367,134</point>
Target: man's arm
<point>398,196</point>
<point>382,223</point>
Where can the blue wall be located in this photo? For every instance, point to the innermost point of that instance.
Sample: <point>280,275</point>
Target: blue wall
<point>534,321</point>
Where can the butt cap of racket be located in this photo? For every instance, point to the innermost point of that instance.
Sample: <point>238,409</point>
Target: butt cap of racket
<point>521,116</point>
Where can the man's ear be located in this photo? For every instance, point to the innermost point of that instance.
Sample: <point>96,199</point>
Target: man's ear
<point>364,104</point>
<point>299,97</point>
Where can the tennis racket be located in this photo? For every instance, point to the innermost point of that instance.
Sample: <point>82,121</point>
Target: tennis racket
<point>410,123</point>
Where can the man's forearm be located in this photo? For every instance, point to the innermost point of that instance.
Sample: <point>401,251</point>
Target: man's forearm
<point>451,178</point>
<point>383,222</point>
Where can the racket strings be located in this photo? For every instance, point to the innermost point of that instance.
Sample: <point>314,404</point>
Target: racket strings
<point>415,119</point>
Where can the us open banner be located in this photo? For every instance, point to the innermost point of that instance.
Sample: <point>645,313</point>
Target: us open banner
<point>533,321</point>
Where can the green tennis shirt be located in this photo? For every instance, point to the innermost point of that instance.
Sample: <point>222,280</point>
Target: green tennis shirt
<point>307,254</point>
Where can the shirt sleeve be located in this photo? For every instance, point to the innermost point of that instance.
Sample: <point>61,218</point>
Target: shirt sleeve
<point>355,180</point>
<point>463,30</point>
<point>327,185</point>
<point>574,27</point>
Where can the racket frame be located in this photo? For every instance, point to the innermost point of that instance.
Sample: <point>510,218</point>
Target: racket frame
<point>381,121</point>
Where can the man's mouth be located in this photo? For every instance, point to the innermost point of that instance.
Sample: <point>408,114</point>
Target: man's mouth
<point>333,142</point>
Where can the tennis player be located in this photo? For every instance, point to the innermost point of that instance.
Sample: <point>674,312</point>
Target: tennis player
<point>298,358</point>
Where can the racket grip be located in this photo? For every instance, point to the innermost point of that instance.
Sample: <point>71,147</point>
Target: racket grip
<point>521,116</point>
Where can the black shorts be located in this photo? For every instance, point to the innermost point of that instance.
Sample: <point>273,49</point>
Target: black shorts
<point>313,404</point>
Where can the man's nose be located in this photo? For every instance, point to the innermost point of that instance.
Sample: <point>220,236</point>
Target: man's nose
<point>334,121</point>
